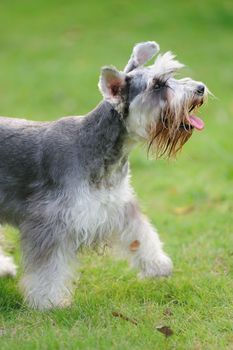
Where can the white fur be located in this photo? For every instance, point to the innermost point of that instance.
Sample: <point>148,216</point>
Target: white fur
<point>49,285</point>
<point>7,266</point>
<point>166,64</point>
<point>101,215</point>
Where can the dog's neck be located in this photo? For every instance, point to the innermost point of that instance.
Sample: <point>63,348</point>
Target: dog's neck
<point>109,143</point>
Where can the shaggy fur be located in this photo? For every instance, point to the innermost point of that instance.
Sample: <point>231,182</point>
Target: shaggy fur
<point>66,184</point>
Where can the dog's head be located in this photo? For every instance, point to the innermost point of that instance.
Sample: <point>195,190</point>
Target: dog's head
<point>156,107</point>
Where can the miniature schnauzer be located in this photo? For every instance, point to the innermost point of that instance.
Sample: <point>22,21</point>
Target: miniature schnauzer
<point>66,184</point>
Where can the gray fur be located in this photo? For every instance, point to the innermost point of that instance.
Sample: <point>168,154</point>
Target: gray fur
<point>138,84</point>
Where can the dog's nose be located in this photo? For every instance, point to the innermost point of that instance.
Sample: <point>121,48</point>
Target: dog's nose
<point>200,89</point>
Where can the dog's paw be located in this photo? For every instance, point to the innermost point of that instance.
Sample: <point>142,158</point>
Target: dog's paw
<point>160,266</point>
<point>7,266</point>
<point>65,303</point>
<point>48,304</point>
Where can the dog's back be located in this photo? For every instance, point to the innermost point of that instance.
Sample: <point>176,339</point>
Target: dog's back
<point>19,157</point>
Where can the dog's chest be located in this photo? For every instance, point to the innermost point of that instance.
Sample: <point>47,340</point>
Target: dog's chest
<point>98,213</point>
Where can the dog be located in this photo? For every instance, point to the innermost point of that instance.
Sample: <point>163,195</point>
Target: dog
<point>65,184</point>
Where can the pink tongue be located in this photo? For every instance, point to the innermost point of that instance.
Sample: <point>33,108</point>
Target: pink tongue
<point>196,122</point>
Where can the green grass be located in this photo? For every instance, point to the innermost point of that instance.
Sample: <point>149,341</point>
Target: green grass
<point>50,57</point>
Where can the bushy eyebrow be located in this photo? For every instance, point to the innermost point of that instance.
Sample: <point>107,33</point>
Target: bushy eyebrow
<point>160,79</point>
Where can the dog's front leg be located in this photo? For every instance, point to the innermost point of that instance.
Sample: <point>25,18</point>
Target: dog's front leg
<point>142,244</point>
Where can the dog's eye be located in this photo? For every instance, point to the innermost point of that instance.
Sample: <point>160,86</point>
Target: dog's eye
<point>158,85</point>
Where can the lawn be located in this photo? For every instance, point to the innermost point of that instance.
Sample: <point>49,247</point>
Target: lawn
<point>50,58</point>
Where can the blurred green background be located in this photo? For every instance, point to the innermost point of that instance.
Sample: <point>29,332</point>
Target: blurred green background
<point>50,58</point>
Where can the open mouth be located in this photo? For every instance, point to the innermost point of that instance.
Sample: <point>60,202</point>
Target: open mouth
<point>194,121</point>
<point>190,120</point>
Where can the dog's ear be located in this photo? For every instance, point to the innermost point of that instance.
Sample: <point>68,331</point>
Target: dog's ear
<point>111,83</point>
<point>141,54</point>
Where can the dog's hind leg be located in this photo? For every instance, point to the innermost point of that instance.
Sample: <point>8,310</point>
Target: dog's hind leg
<point>7,266</point>
<point>49,256</point>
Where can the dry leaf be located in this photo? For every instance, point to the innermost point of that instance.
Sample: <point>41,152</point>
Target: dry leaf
<point>183,210</point>
<point>167,312</point>
<point>120,315</point>
<point>134,245</point>
<point>167,331</point>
